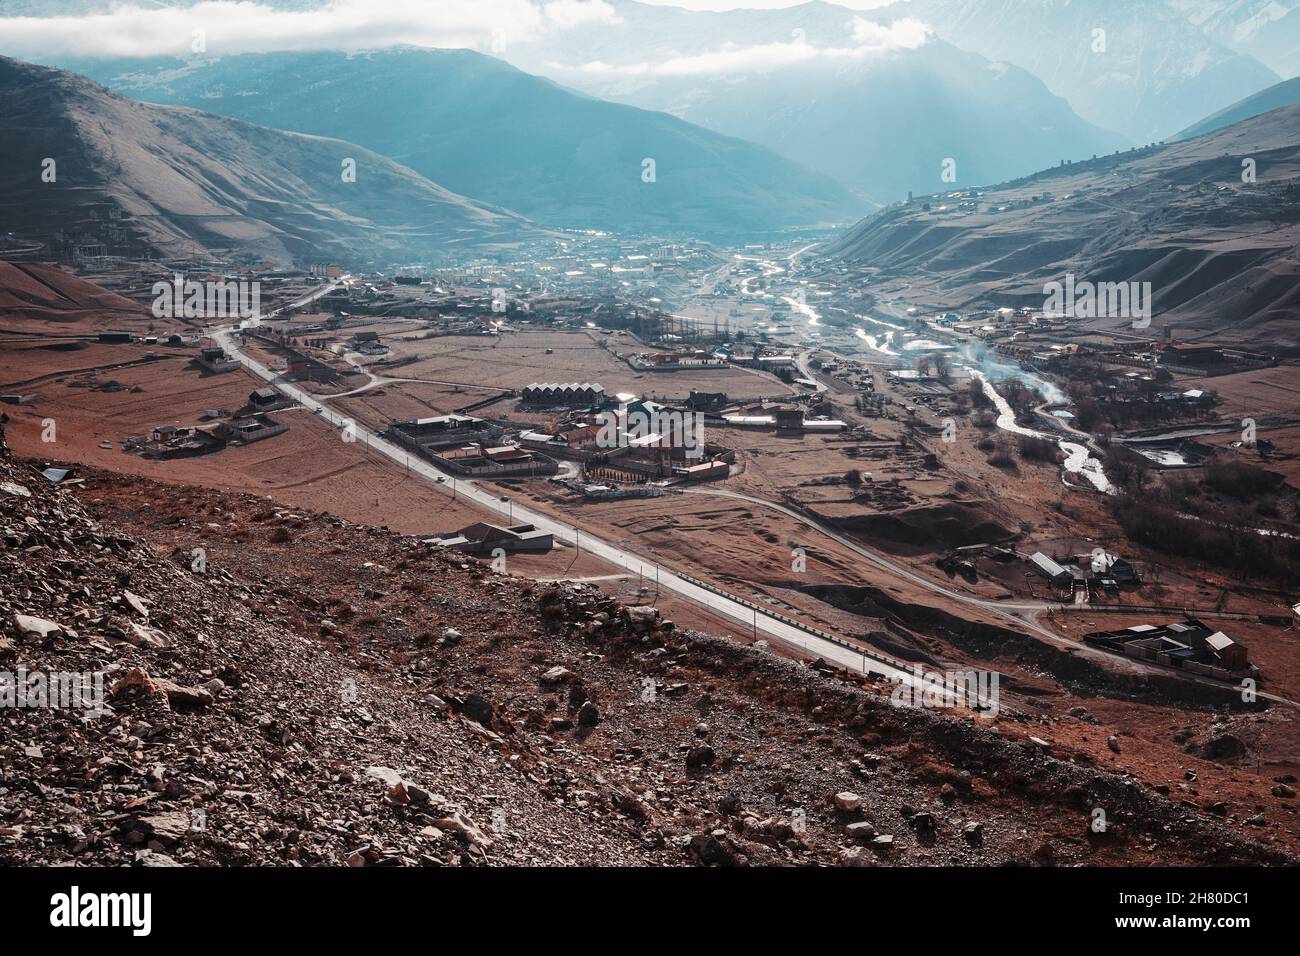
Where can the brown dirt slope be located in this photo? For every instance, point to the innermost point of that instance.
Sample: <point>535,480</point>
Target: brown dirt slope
<point>322,693</point>
<point>170,178</point>
<point>37,297</point>
<point>1218,251</point>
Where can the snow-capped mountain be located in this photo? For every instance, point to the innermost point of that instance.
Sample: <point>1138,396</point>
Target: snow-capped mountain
<point>1268,30</point>
<point>1137,66</point>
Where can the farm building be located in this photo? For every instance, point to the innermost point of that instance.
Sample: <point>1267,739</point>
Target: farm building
<point>1049,569</point>
<point>444,431</point>
<point>578,394</point>
<point>1189,645</point>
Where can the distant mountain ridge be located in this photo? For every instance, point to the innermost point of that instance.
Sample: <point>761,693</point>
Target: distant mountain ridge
<point>171,181</point>
<point>1286,93</point>
<point>879,109</point>
<point>1148,74</point>
<point>1268,30</point>
<point>487,130</point>
<point>887,125</point>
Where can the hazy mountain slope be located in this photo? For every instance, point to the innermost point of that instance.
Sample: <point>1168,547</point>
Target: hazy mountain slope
<point>488,130</point>
<point>1268,30</point>
<point>884,125</point>
<point>1220,253</point>
<point>181,179</point>
<point>1158,74</point>
<point>1283,94</point>
<point>877,109</point>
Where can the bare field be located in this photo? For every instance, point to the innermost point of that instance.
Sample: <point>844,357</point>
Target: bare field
<point>1284,458</point>
<point>1256,394</point>
<point>742,546</point>
<point>29,365</point>
<point>308,466</point>
<point>398,401</point>
<point>516,360</point>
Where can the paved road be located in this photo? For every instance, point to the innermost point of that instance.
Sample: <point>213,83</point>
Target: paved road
<point>1023,615</point>
<point>1020,614</point>
<point>727,607</point>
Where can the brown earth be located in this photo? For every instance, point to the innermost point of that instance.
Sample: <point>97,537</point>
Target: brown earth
<point>1219,252</point>
<point>37,297</point>
<point>422,726</point>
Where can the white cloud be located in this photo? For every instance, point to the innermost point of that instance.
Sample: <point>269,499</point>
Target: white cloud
<point>761,4</point>
<point>230,27</point>
<point>566,14</point>
<point>906,34</point>
<point>870,39</point>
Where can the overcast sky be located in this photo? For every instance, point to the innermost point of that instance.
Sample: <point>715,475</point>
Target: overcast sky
<point>760,4</point>
<point>141,28</point>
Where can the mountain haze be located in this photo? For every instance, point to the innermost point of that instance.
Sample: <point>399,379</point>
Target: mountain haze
<point>877,106</point>
<point>1286,93</point>
<point>485,129</point>
<point>1157,73</point>
<point>182,180</point>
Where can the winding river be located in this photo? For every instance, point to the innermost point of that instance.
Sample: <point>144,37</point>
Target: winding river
<point>1078,458</point>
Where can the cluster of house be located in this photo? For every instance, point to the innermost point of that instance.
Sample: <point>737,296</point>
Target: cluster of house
<point>1036,341</point>
<point>219,428</point>
<point>215,360</point>
<point>634,441</point>
<point>468,446</point>
<point>367,343</point>
<point>783,417</point>
<point>1146,388</point>
<point>1091,572</point>
<point>175,441</point>
<point>682,359</point>
<point>1189,645</point>
<point>687,357</point>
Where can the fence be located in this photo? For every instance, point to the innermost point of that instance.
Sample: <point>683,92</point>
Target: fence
<point>785,619</point>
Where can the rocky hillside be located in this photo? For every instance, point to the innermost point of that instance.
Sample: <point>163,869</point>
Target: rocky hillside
<point>313,692</point>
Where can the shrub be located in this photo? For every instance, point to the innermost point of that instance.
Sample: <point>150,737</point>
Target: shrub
<point>1033,448</point>
<point>1239,480</point>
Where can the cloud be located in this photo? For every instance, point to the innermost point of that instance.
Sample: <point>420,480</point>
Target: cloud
<point>760,4</point>
<point>566,14</point>
<point>869,39</point>
<point>905,34</point>
<point>229,27</point>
